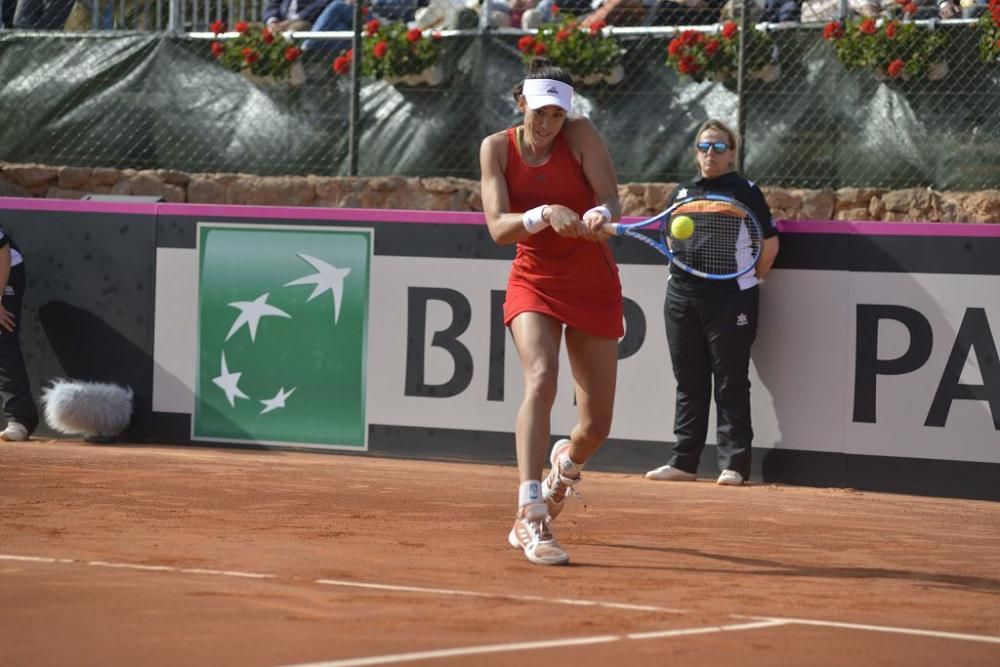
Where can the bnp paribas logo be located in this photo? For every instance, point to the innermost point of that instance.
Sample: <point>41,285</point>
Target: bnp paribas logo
<point>282,335</point>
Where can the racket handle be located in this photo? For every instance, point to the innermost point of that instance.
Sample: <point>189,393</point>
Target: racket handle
<point>618,228</point>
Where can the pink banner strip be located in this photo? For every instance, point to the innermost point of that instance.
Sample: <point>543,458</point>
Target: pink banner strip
<point>292,213</point>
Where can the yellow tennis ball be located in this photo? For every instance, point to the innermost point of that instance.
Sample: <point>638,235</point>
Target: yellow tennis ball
<point>681,227</point>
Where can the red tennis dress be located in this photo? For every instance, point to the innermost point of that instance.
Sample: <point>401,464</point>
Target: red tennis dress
<point>573,280</point>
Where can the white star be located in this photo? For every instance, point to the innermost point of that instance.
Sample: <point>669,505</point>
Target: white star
<point>327,277</point>
<point>229,382</point>
<point>278,401</point>
<point>251,312</point>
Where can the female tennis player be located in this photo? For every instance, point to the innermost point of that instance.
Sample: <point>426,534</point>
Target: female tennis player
<point>711,325</point>
<point>549,186</point>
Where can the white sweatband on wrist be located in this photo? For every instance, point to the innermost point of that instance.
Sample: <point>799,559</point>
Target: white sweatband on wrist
<point>533,219</point>
<point>603,210</point>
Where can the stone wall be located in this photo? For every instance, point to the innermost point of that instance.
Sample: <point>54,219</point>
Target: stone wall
<point>454,194</point>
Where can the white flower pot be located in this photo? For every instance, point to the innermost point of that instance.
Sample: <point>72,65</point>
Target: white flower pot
<point>938,71</point>
<point>615,76</point>
<point>768,73</point>
<point>434,75</point>
<point>296,76</point>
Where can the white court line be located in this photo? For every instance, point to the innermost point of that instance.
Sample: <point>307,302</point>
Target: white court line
<point>497,596</point>
<point>527,646</point>
<point>883,628</point>
<point>766,620</point>
<point>134,566</point>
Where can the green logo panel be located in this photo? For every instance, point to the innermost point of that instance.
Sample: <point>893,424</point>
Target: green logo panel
<point>282,335</point>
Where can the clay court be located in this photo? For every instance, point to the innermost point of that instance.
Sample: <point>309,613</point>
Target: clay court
<point>157,555</point>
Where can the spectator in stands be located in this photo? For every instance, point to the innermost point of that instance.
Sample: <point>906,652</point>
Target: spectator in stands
<point>292,15</point>
<point>446,15</point>
<point>949,10</point>
<point>926,9</point>
<point>338,15</point>
<point>782,11</point>
<point>686,12</point>
<point>617,12</point>
<point>15,389</point>
<point>397,10</point>
<point>971,9</point>
<point>41,14</point>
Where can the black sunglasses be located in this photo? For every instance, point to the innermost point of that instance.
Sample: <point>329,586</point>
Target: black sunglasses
<point>717,146</point>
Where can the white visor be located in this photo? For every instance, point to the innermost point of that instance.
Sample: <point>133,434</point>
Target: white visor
<point>540,93</point>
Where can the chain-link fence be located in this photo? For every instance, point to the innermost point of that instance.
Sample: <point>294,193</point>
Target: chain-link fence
<point>163,101</point>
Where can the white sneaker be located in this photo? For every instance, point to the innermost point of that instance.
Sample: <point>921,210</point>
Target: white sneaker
<point>532,534</point>
<point>671,474</point>
<point>730,478</point>
<point>14,432</point>
<point>556,486</point>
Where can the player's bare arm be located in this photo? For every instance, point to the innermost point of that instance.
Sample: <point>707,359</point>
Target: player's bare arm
<point>592,151</point>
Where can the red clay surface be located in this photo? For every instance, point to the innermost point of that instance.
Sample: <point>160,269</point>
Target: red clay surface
<point>76,520</point>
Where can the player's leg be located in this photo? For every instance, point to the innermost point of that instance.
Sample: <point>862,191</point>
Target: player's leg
<point>537,338</point>
<point>732,323</point>
<point>15,388</point>
<point>594,361</point>
<point>693,374</point>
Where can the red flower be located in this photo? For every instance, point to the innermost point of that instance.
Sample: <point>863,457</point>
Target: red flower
<point>675,47</point>
<point>380,50</point>
<point>597,26</point>
<point>563,35</point>
<point>539,49</point>
<point>687,65</point>
<point>526,43</point>
<point>241,27</point>
<point>267,36</point>
<point>555,10</point>
<point>372,26</point>
<point>890,29</point>
<point>413,35</point>
<point>895,68</point>
<point>436,36</point>
<point>833,30</point>
<point>730,29</point>
<point>341,64</point>
<point>910,8</point>
<point>292,53</point>
<point>868,27</point>
<point>690,37</point>
<point>711,46</point>
<point>250,56</point>
<point>218,27</point>
<point>218,49</point>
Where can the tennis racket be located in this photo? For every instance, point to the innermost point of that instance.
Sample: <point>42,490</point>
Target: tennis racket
<point>725,243</point>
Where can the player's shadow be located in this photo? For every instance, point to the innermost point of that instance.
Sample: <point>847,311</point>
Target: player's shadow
<point>87,348</point>
<point>773,568</point>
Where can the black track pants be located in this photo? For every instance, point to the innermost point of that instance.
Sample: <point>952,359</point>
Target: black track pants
<point>710,339</point>
<point>15,390</point>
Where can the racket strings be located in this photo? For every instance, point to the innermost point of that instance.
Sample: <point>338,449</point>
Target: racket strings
<point>724,241</point>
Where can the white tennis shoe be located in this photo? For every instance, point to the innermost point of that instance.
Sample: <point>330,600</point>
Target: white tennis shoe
<point>15,432</point>
<point>671,474</point>
<point>730,478</point>
<point>533,535</point>
<point>558,485</point>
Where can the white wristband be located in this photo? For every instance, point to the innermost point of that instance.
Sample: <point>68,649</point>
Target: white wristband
<point>534,220</point>
<point>603,210</point>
